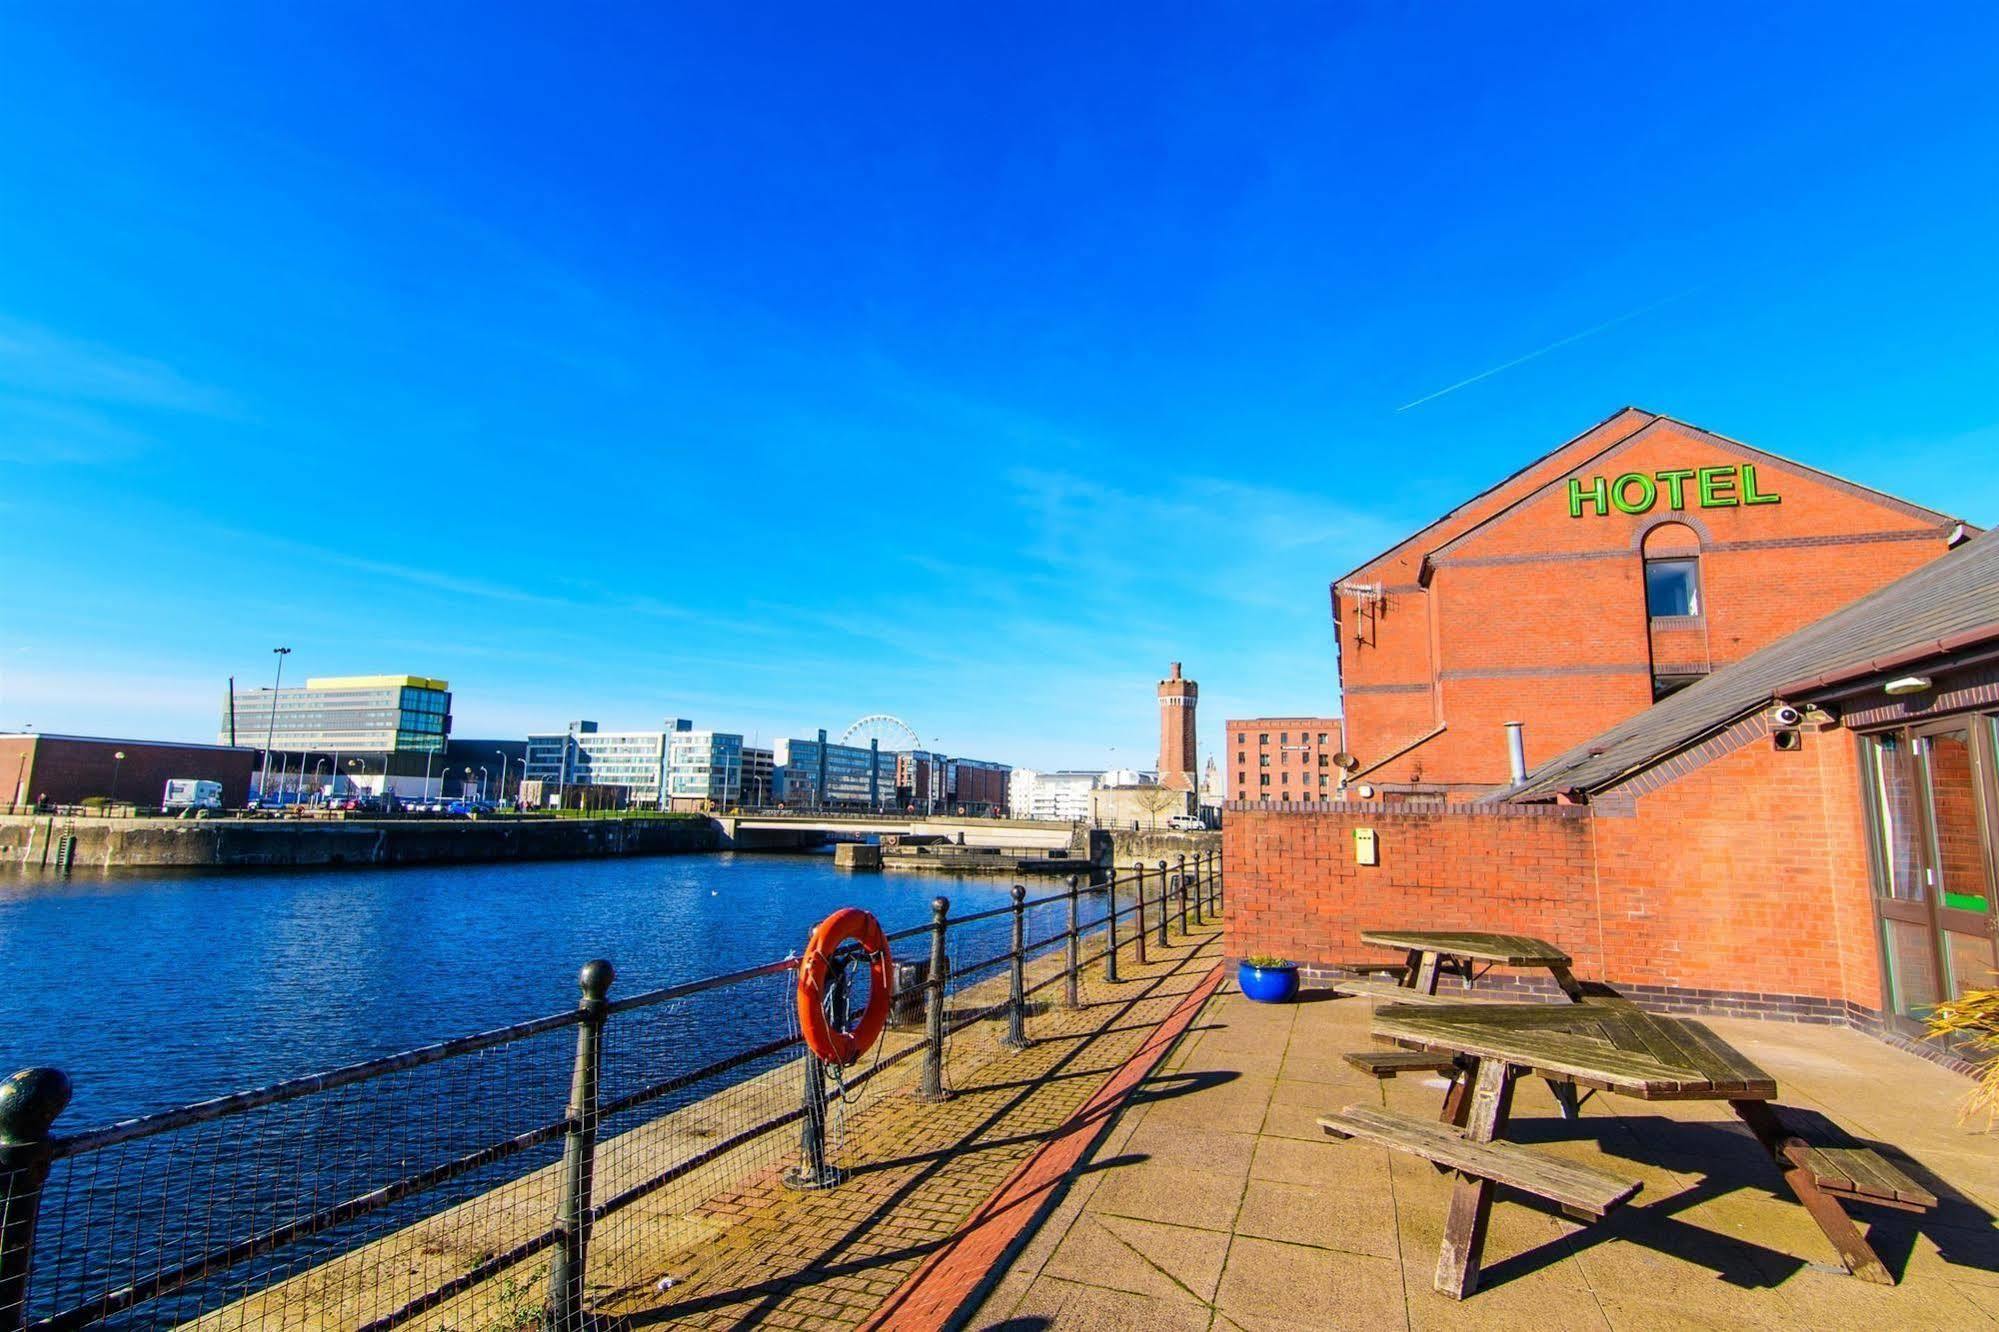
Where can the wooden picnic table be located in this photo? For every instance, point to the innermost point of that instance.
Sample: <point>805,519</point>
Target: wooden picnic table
<point>1431,953</point>
<point>1610,1046</point>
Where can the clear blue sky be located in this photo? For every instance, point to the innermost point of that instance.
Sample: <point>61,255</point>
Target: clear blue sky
<point>772,365</point>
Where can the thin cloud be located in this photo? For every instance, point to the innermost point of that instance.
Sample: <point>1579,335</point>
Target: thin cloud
<point>36,360</point>
<point>1557,344</point>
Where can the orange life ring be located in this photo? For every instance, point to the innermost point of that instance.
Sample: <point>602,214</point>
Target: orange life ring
<point>829,1042</point>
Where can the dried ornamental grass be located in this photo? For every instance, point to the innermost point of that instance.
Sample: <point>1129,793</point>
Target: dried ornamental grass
<point>1972,1021</point>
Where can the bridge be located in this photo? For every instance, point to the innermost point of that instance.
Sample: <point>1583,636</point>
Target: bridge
<point>776,829</point>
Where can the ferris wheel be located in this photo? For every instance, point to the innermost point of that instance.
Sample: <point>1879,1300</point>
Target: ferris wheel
<point>891,733</point>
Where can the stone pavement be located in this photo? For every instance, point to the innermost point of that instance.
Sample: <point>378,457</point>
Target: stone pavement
<point>1216,1202</point>
<point>771,1257</point>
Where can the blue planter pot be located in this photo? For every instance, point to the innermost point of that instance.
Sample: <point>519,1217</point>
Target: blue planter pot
<point>1267,985</point>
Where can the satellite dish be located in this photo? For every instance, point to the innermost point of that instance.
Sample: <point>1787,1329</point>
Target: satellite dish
<point>1345,762</point>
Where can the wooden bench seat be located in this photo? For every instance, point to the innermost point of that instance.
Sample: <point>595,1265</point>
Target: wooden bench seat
<point>1388,992</point>
<point>1860,1174</point>
<point>1389,1063</point>
<point>1578,1189</point>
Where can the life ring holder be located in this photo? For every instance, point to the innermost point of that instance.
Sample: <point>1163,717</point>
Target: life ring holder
<point>832,1044</point>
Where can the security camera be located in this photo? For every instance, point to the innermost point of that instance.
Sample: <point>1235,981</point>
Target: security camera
<point>1785,715</point>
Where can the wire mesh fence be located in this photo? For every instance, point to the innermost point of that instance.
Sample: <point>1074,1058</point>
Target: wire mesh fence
<point>517,1178</point>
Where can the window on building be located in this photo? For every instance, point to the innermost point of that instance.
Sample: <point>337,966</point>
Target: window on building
<point>1263,779</point>
<point>1322,737</point>
<point>1284,737</point>
<point>1263,760</point>
<point>1285,778</point>
<point>1672,587</point>
<point>1241,757</point>
<point>1263,737</point>
<point>1242,739</point>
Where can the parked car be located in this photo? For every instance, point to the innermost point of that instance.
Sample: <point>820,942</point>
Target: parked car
<point>1185,823</point>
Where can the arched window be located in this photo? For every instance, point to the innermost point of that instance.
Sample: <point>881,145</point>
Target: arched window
<point>1673,572</point>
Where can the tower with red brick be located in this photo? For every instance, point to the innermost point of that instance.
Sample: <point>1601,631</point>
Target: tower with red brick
<point>1177,700</point>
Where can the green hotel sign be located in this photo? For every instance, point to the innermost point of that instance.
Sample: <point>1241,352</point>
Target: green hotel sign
<point>1641,492</point>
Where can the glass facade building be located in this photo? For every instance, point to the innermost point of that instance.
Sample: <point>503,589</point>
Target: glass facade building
<point>816,774</point>
<point>705,767</point>
<point>392,714</point>
<point>586,756</point>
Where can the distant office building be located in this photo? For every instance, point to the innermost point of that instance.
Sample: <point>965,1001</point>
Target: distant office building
<point>819,774</point>
<point>1127,777</point>
<point>585,756</point>
<point>1284,758</point>
<point>69,769</point>
<point>1063,795</point>
<point>976,786</point>
<point>933,783</point>
<point>704,769</point>
<point>378,732</point>
<point>919,781</point>
<point>759,785</point>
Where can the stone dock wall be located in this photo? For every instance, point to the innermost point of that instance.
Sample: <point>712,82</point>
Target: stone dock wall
<point>32,843</point>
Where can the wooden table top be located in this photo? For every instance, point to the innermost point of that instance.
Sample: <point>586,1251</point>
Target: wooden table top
<point>1511,950</point>
<point>1609,1044</point>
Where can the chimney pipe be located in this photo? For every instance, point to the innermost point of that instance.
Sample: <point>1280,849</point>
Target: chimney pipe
<point>1516,753</point>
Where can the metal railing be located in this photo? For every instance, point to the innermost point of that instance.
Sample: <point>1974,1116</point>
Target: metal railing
<point>511,1162</point>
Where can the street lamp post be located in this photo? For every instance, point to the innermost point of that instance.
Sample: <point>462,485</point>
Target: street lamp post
<point>501,793</point>
<point>484,773</point>
<point>117,761</point>
<point>315,777</point>
<point>355,765</point>
<point>271,728</point>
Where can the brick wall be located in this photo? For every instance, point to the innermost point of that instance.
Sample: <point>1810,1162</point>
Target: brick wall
<point>1745,877</point>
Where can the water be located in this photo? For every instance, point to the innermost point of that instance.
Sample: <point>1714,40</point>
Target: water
<point>155,991</point>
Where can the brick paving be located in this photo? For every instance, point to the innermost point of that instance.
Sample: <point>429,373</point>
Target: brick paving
<point>769,1256</point>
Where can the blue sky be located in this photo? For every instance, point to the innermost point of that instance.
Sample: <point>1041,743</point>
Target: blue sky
<point>774,365</point>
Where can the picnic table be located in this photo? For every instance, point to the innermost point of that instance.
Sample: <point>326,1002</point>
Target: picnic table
<point>1609,1046</point>
<point>1434,953</point>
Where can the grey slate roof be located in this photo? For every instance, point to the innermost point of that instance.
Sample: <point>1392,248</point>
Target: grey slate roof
<point>1953,594</point>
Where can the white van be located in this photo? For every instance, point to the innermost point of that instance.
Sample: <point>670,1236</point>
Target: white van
<point>1186,823</point>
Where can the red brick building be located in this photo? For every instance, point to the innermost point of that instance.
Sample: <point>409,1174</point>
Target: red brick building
<point>1638,557</point>
<point>1811,831</point>
<point>1283,758</point>
<point>69,769</point>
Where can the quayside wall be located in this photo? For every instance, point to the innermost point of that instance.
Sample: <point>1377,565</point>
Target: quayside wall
<point>35,843</point>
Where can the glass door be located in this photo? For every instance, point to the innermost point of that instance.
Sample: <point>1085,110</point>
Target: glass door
<point>1958,794</point>
<point>1931,809</point>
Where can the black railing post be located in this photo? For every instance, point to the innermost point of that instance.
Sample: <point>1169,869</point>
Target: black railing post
<point>1180,877</point>
<point>812,1171</point>
<point>568,1271</point>
<point>931,1086</point>
<point>29,1104</point>
<point>1074,960</point>
<point>1221,867</point>
<point>1016,1009</point>
<point>1110,927</point>
<point>1138,912</point>
<point>1199,887</point>
<point>1162,906</point>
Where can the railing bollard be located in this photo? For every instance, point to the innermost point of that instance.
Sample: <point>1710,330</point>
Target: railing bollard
<point>1110,927</point>
<point>1162,906</point>
<point>29,1104</point>
<point>812,1171</point>
<point>1180,875</point>
<point>1200,886</point>
<point>1138,912</point>
<point>1074,960</point>
<point>1016,1009</point>
<point>931,1086</point>
<point>567,1272</point>
<point>1221,888</point>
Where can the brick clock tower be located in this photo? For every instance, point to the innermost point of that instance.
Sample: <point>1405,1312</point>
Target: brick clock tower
<point>1177,700</point>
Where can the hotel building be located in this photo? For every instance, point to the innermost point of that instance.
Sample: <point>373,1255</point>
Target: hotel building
<point>820,774</point>
<point>1760,778</point>
<point>1642,555</point>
